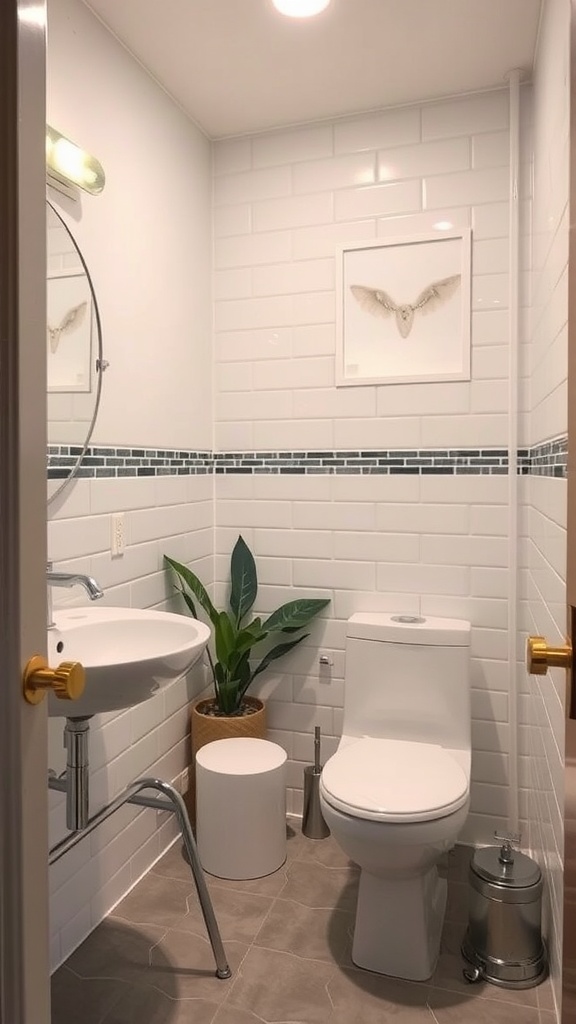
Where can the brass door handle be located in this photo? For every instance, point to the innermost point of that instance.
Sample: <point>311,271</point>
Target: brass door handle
<point>540,656</point>
<point>66,681</point>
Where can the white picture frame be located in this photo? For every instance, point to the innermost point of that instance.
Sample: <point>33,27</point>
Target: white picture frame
<point>69,332</point>
<point>403,309</point>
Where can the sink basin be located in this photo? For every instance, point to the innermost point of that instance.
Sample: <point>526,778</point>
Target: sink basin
<point>129,655</point>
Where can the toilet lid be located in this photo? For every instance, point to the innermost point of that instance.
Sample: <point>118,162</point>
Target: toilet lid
<point>394,780</point>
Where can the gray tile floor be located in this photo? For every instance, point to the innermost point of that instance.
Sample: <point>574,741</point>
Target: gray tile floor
<point>288,940</point>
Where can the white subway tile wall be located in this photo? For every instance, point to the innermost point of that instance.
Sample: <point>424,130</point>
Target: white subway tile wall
<point>409,544</point>
<point>297,194</point>
<point>543,520</point>
<point>164,515</point>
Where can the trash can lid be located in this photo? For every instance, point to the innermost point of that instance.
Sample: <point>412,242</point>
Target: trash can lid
<point>520,873</point>
<point>241,755</point>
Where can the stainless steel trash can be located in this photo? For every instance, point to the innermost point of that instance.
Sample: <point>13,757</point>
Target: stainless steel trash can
<point>503,942</point>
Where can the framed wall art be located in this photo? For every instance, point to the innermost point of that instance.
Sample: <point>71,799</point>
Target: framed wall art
<point>69,332</point>
<point>403,310</point>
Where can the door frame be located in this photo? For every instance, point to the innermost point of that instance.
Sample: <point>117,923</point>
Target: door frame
<point>24,934</point>
<point>569,891</point>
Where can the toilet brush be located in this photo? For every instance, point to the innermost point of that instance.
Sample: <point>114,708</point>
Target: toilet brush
<point>313,824</point>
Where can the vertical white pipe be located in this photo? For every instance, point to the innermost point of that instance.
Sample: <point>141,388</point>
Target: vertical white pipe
<point>513,343</point>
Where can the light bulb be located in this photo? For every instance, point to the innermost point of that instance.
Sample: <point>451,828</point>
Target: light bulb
<point>300,8</point>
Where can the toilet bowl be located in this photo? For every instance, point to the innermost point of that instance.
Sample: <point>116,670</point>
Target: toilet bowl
<point>395,795</point>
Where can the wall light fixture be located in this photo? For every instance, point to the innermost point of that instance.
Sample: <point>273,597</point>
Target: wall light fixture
<point>67,163</point>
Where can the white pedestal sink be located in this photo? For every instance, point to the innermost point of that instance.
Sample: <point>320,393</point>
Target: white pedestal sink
<point>128,654</point>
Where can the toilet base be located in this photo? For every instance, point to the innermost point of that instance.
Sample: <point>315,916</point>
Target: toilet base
<point>399,924</point>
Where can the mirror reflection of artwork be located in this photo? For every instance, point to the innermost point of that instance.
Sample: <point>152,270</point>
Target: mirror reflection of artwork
<point>404,310</point>
<point>69,333</point>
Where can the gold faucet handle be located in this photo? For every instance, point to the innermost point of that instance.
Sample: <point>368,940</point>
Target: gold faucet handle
<point>66,681</point>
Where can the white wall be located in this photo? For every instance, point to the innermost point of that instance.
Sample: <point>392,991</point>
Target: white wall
<point>434,544</point>
<point>283,201</point>
<point>147,242</point>
<point>146,239</point>
<point>544,546</point>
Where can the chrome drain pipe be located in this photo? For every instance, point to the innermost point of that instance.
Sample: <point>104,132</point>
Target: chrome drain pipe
<point>170,800</point>
<point>76,732</point>
<point>74,782</point>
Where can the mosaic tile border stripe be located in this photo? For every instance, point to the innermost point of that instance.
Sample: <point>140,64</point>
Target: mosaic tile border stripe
<point>106,462</point>
<point>449,461</point>
<point>550,458</point>
<point>127,462</point>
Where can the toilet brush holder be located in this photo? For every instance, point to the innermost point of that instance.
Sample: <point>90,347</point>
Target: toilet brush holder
<point>313,824</point>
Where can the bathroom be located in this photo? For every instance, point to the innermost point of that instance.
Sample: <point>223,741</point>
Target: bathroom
<point>253,372</point>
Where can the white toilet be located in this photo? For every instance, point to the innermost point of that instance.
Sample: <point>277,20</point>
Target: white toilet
<point>396,792</point>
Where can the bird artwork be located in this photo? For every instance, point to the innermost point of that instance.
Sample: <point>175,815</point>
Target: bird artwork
<point>379,303</point>
<point>71,319</point>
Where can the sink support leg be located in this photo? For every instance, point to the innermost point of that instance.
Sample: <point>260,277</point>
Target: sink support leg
<point>174,803</point>
<point>179,809</point>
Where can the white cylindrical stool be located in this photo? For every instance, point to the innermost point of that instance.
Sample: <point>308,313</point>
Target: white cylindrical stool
<point>241,807</point>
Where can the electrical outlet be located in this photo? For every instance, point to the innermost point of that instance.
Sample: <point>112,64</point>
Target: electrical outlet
<point>117,535</point>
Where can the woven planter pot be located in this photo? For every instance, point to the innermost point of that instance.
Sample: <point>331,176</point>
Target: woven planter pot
<point>206,728</point>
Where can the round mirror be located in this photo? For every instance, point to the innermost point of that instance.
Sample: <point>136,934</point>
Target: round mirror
<point>73,351</point>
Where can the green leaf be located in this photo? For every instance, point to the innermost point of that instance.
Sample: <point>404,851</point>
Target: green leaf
<point>228,698</point>
<point>277,652</point>
<point>294,614</point>
<point>240,669</point>
<point>198,589</point>
<point>219,682</point>
<point>254,627</point>
<point>246,639</point>
<point>244,580</point>
<point>224,638</point>
<point>189,602</point>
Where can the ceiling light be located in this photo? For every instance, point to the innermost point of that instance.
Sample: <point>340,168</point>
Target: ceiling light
<point>300,8</point>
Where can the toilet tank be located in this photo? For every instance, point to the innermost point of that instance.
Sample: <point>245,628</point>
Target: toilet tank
<point>408,678</point>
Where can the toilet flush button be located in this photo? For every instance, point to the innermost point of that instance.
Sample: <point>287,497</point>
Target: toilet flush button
<point>411,620</point>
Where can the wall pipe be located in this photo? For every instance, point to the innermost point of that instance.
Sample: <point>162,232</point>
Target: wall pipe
<point>514,78</point>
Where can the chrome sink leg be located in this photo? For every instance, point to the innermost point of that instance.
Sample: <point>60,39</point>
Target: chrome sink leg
<point>179,808</point>
<point>173,803</point>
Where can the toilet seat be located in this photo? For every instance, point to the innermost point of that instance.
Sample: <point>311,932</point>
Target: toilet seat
<point>394,781</point>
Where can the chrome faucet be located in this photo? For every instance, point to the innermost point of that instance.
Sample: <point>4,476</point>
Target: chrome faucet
<point>70,579</point>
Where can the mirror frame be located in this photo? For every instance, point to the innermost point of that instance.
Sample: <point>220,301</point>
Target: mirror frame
<point>100,366</point>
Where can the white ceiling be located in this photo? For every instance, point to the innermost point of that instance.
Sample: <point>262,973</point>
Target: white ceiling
<point>238,66</point>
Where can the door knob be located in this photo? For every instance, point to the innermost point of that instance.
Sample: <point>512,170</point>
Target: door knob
<point>66,681</point>
<point>540,656</point>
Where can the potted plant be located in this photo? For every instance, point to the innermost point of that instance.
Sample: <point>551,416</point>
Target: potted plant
<point>231,712</point>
